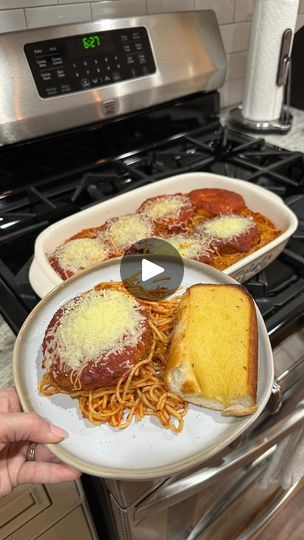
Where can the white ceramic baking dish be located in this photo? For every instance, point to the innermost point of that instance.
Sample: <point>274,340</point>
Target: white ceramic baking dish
<point>43,278</point>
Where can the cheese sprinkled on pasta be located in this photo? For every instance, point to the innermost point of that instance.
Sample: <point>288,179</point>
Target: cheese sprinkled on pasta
<point>163,208</point>
<point>189,246</point>
<point>227,227</point>
<point>128,230</point>
<point>82,253</point>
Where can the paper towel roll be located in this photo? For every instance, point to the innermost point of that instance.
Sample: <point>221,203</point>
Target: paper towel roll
<point>262,98</point>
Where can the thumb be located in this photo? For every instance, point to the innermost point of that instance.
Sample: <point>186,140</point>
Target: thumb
<point>28,427</point>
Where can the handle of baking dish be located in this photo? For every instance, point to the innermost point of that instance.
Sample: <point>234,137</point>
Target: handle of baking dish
<point>176,490</point>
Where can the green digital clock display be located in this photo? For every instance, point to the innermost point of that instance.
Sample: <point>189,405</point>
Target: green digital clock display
<point>91,42</point>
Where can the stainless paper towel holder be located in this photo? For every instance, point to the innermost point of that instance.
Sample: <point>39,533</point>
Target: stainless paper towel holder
<point>284,123</point>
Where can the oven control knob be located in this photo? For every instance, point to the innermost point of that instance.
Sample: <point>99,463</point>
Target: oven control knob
<point>85,83</point>
<point>116,76</point>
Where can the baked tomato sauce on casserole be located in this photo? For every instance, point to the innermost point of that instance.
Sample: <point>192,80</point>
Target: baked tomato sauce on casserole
<point>210,225</point>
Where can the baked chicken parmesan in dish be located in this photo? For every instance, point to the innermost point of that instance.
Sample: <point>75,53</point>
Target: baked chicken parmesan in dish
<point>169,212</point>
<point>208,225</point>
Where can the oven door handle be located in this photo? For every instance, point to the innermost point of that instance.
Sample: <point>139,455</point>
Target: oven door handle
<point>175,491</point>
<point>280,499</point>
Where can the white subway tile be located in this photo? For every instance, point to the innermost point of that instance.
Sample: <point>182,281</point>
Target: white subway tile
<point>300,21</point>
<point>11,20</point>
<point>54,15</point>
<point>236,66</point>
<point>165,6</point>
<point>231,93</point>
<point>244,9</point>
<point>224,9</point>
<point>10,4</point>
<point>235,36</point>
<point>118,8</point>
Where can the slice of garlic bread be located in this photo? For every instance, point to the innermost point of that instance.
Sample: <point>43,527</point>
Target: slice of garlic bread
<point>213,358</point>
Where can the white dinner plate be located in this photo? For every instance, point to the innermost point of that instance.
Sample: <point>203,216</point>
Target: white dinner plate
<point>145,449</point>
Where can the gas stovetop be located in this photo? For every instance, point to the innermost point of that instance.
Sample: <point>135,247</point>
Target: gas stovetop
<point>45,181</point>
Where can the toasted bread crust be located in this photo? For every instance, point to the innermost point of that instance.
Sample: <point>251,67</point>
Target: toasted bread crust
<point>180,376</point>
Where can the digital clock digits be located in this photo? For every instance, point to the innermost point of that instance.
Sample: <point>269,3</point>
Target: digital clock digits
<point>90,42</point>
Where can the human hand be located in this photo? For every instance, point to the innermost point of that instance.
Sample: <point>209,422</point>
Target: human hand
<point>17,431</point>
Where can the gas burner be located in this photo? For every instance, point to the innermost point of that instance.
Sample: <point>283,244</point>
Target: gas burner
<point>45,181</point>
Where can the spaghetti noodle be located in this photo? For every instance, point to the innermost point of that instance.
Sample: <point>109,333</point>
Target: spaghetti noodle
<point>141,391</point>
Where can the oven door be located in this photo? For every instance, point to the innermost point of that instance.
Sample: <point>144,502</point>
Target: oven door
<point>223,499</point>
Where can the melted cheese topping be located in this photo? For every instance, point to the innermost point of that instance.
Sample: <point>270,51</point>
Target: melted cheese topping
<point>98,324</point>
<point>162,208</point>
<point>227,227</point>
<point>128,230</point>
<point>76,255</point>
<point>190,247</point>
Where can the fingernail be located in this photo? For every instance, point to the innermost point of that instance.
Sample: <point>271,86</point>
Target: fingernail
<point>58,432</point>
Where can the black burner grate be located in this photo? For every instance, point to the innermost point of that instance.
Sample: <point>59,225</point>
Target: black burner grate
<point>72,174</point>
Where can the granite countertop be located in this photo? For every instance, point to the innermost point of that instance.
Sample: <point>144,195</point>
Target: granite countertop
<point>294,140</point>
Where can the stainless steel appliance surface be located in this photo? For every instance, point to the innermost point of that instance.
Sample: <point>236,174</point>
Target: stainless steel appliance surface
<point>127,64</point>
<point>45,179</point>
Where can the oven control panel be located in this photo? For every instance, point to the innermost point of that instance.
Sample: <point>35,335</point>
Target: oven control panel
<point>76,63</point>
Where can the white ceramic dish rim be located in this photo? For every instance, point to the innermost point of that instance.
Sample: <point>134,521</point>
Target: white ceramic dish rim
<point>139,474</point>
<point>49,278</point>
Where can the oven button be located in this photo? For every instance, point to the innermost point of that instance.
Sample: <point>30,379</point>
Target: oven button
<point>142,59</point>
<point>60,73</point>
<point>65,88</point>
<point>127,48</point>
<point>130,59</point>
<point>53,48</point>
<point>116,76</point>
<point>85,83</point>
<point>95,80</point>
<point>57,61</point>
<point>42,63</point>
<point>46,76</point>
<point>52,91</point>
<point>124,37</point>
<point>138,46</point>
<point>135,35</point>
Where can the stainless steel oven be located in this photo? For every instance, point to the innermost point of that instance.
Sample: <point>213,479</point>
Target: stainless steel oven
<point>94,110</point>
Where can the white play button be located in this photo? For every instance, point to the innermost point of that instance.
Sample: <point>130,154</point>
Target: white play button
<point>150,270</point>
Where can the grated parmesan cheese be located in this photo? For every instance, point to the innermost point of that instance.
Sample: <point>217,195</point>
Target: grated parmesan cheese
<point>227,227</point>
<point>162,208</point>
<point>97,324</point>
<point>82,253</point>
<point>128,230</point>
<point>189,247</point>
